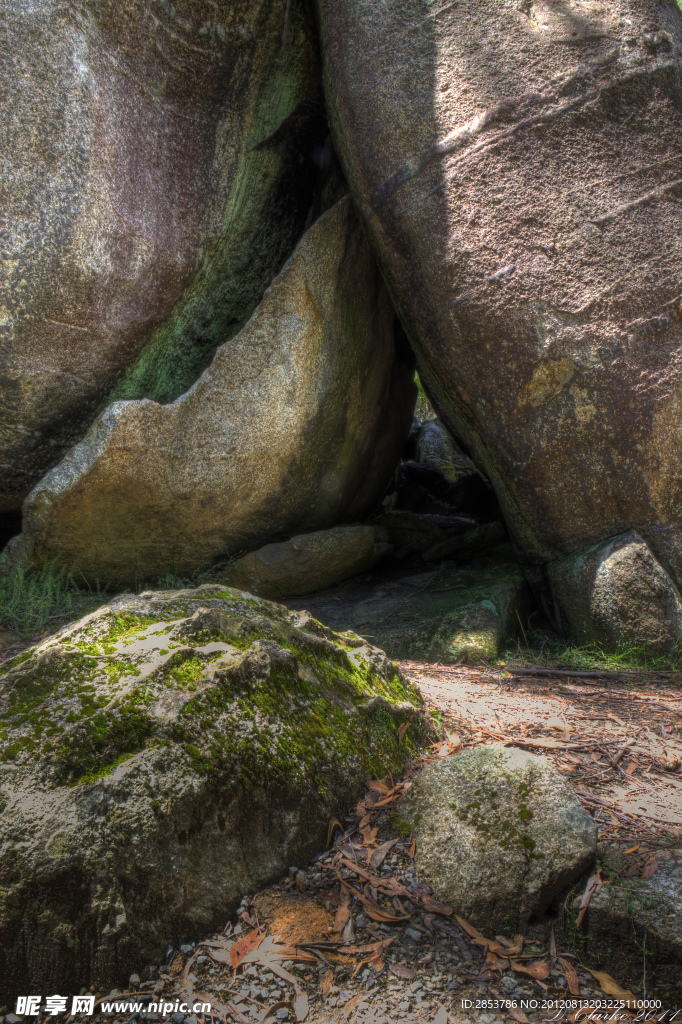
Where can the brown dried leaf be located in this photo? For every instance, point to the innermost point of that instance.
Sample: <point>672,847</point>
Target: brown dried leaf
<point>435,907</point>
<point>364,821</point>
<point>242,947</point>
<point>401,971</point>
<point>413,848</point>
<point>369,836</point>
<point>650,868</point>
<point>326,982</point>
<point>380,786</point>
<point>611,987</point>
<point>518,1015</point>
<point>402,730</point>
<point>380,854</point>
<point>343,913</point>
<point>333,825</point>
<point>271,1011</point>
<point>480,940</point>
<point>349,929</point>
<point>301,1006</point>
<point>571,977</point>
<point>539,969</point>
<point>355,1001</point>
<point>593,885</point>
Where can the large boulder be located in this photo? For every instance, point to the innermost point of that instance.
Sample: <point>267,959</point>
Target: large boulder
<point>517,165</point>
<point>157,169</point>
<point>296,425</point>
<point>166,755</point>
<point>499,834</point>
<point>618,596</point>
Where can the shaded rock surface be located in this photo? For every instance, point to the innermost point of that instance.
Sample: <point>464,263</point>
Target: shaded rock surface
<point>296,425</point>
<point>499,834</point>
<point>618,596</point>
<point>435,447</point>
<point>310,561</point>
<point>502,158</point>
<point>162,757</point>
<point>633,914</point>
<point>447,614</point>
<point>158,168</point>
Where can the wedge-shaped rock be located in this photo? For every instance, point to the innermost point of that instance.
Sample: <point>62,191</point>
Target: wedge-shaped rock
<point>518,167</point>
<point>166,755</point>
<point>452,614</point>
<point>499,834</point>
<point>157,169</point>
<point>310,562</point>
<point>297,424</point>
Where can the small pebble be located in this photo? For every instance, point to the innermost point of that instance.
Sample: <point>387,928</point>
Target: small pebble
<point>187,949</point>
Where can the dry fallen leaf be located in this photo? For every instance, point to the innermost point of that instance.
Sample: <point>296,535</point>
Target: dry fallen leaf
<point>571,977</point>
<point>593,885</point>
<point>480,940</point>
<point>326,982</point>
<point>539,969</point>
<point>402,730</point>
<point>271,1012</point>
<point>633,849</point>
<point>380,854</point>
<point>343,913</point>
<point>518,1015</point>
<point>610,987</point>
<point>355,1001</point>
<point>401,971</point>
<point>244,946</point>
<point>333,825</point>
<point>435,907</point>
<point>413,848</point>
<point>650,868</point>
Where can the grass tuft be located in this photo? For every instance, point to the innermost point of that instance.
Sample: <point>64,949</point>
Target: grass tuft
<point>33,600</point>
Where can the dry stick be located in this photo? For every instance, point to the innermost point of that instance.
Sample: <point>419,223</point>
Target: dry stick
<point>581,675</point>
<point>595,801</point>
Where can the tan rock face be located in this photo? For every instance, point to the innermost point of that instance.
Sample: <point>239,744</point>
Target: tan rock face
<point>156,169</point>
<point>518,166</point>
<point>296,425</point>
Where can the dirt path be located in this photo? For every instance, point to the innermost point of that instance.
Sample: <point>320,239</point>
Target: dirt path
<point>617,738</point>
<point>356,938</point>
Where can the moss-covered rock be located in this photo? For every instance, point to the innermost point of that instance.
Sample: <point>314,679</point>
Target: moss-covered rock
<point>451,614</point>
<point>165,755</point>
<point>499,834</point>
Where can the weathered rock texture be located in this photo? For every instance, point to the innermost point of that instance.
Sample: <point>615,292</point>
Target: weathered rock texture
<point>618,596</point>
<point>517,165</point>
<point>451,614</point>
<point>436,447</point>
<point>633,914</point>
<point>166,755</point>
<point>310,561</point>
<point>499,834</point>
<point>157,170</point>
<point>296,425</point>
